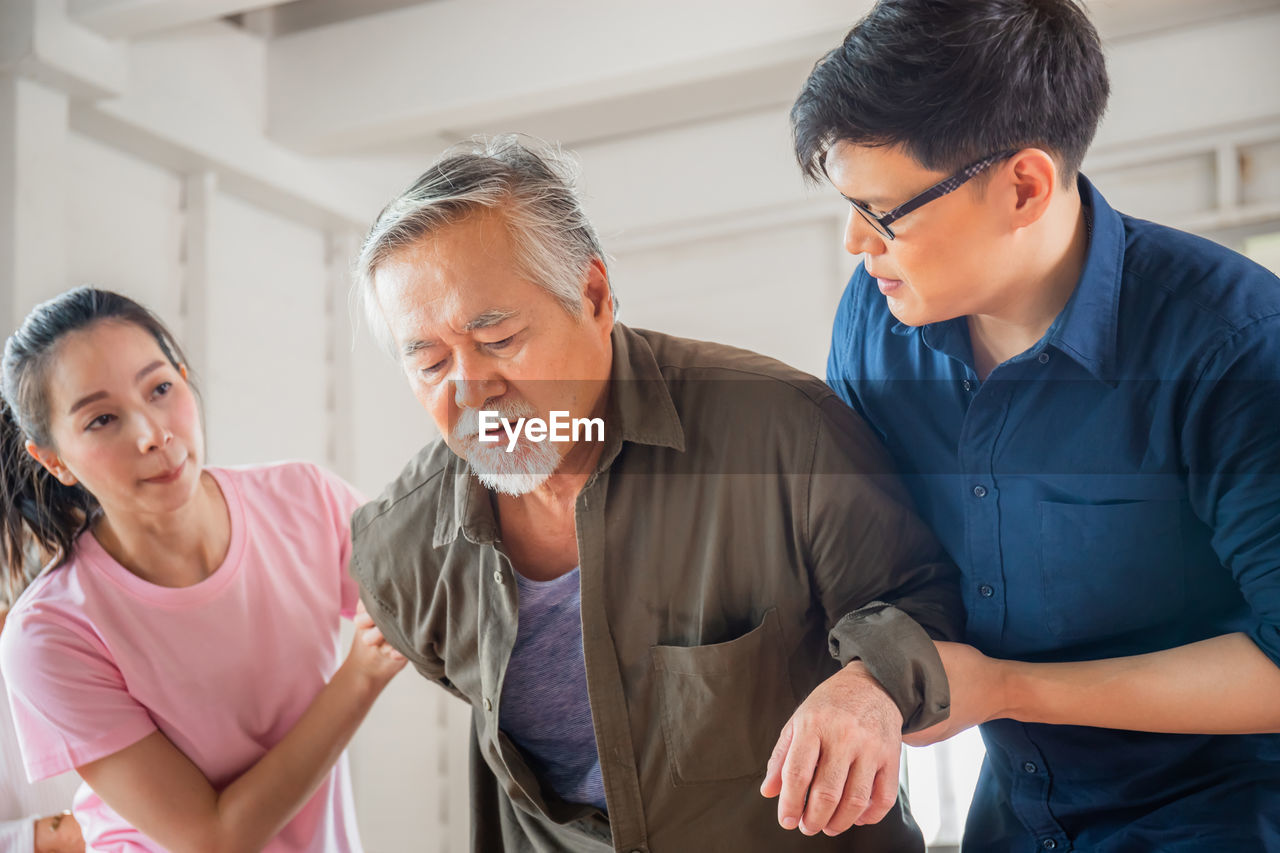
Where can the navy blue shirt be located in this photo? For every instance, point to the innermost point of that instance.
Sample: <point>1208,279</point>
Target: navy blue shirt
<point>1114,490</point>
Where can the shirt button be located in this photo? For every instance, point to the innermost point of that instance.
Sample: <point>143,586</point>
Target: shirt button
<point>986,591</point>
<point>497,575</point>
<point>488,706</point>
<point>1030,767</point>
<point>968,386</point>
<point>1048,844</point>
<point>1043,358</point>
<point>980,491</point>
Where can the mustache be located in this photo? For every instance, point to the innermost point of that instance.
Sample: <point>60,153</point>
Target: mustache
<point>468,424</point>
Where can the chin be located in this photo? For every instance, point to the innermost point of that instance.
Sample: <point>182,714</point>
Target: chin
<point>516,473</point>
<point>908,315</point>
<point>914,314</point>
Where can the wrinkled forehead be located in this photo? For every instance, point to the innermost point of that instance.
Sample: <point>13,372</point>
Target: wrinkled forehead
<point>453,283</point>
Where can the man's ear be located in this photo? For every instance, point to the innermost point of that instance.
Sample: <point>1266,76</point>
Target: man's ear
<point>597,295</point>
<point>52,463</point>
<point>1035,180</point>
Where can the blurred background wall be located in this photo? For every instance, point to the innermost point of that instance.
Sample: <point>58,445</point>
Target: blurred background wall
<point>220,160</point>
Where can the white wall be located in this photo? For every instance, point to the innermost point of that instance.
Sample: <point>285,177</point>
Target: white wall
<point>124,227</point>
<point>267,337</point>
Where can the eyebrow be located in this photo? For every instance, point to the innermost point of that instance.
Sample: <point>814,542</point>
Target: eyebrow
<point>484,320</point>
<point>492,317</point>
<point>98,395</point>
<point>86,400</point>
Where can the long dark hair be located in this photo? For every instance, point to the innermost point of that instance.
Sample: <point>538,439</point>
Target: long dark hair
<point>38,511</point>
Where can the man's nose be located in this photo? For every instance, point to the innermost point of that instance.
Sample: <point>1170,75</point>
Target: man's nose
<point>860,238</point>
<point>471,393</point>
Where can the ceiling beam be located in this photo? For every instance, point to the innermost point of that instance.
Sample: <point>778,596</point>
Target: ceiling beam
<point>450,67</point>
<point>39,42</point>
<point>133,18</point>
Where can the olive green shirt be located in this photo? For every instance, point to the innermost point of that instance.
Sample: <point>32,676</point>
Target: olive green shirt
<point>742,537</point>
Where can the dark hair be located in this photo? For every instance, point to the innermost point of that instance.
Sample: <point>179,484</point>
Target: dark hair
<point>953,81</point>
<point>38,511</point>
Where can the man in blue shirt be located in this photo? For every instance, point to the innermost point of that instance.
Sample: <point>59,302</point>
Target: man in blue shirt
<point>1086,408</point>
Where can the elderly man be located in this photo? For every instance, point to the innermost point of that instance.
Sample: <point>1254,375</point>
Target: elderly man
<point>635,616</point>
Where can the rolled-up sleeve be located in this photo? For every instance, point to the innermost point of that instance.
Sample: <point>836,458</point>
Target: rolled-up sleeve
<point>1231,447</point>
<point>885,583</point>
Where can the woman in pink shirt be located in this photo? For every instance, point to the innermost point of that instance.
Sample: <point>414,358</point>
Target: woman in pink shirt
<point>181,651</point>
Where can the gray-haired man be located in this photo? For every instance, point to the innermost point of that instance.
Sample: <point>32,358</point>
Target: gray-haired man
<point>635,616</point>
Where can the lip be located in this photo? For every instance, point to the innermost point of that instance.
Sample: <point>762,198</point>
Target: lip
<point>168,476</point>
<point>888,285</point>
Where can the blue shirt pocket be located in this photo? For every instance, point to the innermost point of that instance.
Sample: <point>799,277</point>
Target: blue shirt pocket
<point>1110,569</point>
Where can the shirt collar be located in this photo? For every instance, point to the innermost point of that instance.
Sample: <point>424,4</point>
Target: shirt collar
<point>640,403</point>
<point>1085,329</point>
<point>640,410</point>
<point>463,504</point>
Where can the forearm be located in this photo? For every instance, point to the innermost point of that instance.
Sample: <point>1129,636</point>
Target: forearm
<point>155,787</point>
<point>254,808</point>
<point>1224,685</point>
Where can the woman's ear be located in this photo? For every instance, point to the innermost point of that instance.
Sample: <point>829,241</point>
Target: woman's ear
<point>51,463</point>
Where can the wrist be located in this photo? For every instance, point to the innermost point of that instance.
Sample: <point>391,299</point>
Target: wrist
<point>1008,690</point>
<point>354,680</point>
<point>857,673</point>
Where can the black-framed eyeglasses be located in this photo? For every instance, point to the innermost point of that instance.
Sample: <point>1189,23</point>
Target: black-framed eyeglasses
<point>947,185</point>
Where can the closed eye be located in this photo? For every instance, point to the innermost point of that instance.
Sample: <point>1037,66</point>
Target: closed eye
<point>502,344</point>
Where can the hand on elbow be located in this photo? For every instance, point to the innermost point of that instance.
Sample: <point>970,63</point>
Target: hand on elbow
<point>979,689</point>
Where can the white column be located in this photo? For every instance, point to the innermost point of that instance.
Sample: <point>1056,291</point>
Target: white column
<point>340,422</point>
<point>33,196</point>
<point>199,191</point>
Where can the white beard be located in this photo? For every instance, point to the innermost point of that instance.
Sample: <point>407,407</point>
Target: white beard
<point>514,473</point>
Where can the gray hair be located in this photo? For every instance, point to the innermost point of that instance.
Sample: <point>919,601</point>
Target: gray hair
<point>534,185</point>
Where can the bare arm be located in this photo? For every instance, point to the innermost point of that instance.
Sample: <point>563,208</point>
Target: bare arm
<point>1223,685</point>
<point>155,787</point>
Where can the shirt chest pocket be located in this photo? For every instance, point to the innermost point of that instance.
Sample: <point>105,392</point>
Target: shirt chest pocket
<point>1108,569</point>
<point>723,705</point>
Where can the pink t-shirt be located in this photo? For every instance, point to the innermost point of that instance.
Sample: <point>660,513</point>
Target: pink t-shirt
<point>97,658</point>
